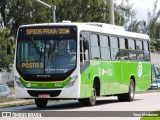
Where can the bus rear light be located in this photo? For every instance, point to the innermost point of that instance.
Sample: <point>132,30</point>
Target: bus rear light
<point>71,83</point>
<point>18,83</point>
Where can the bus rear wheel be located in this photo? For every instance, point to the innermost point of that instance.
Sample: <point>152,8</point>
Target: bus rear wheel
<point>90,101</point>
<point>41,103</point>
<point>128,96</point>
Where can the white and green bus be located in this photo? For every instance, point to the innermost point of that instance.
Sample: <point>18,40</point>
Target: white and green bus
<point>80,61</point>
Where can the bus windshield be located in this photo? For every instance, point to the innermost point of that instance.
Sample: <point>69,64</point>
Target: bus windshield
<point>44,56</point>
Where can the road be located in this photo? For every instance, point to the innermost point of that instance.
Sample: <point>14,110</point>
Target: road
<point>142,102</point>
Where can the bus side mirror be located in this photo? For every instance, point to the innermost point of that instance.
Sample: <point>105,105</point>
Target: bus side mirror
<point>8,49</point>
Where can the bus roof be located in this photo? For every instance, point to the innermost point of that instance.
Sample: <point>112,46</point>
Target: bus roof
<point>99,28</point>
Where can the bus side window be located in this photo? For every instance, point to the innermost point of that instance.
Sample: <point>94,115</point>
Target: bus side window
<point>85,49</point>
<point>104,46</point>
<point>115,54</point>
<point>139,50</point>
<point>123,48</point>
<point>132,51</point>
<point>146,51</point>
<point>95,51</point>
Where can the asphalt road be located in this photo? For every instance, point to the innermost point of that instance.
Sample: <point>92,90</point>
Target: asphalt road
<point>142,102</point>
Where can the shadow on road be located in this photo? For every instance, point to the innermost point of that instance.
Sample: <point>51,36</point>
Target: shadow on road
<point>72,105</point>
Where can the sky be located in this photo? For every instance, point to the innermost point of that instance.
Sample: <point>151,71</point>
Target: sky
<point>142,6</point>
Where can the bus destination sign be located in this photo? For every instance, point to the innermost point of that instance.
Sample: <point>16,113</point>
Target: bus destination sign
<point>47,31</point>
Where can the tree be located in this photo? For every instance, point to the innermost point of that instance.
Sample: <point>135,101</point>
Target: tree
<point>5,60</point>
<point>134,26</point>
<point>27,12</point>
<point>3,9</point>
<point>124,13</point>
<point>82,10</point>
<point>152,27</point>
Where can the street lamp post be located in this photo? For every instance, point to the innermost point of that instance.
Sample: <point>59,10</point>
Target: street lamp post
<point>111,11</point>
<point>53,8</point>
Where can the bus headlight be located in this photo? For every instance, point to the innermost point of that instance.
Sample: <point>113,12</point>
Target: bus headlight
<point>71,83</point>
<point>18,83</point>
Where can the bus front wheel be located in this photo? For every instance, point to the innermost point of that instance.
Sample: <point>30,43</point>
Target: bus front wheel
<point>130,95</point>
<point>90,101</point>
<point>41,103</point>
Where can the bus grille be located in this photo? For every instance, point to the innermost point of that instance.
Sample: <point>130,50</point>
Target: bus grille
<point>35,93</point>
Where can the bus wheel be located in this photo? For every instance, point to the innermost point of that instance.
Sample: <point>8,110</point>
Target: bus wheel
<point>92,100</point>
<point>41,103</point>
<point>130,95</point>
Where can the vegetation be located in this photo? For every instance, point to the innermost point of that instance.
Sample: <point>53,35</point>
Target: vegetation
<point>6,60</point>
<point>151,27</point>
<point>19,12</point>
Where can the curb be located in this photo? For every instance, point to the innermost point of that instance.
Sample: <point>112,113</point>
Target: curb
<point>148,91</point>
<point>16,103</point>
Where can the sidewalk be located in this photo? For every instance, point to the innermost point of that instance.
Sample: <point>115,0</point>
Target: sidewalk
<point>16,102</point>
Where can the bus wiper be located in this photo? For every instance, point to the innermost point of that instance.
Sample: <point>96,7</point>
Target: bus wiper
<point>52,49</point>
<point>36,47</point>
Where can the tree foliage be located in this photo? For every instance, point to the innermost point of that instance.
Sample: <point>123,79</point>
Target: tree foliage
<point>29,11</point>
<point>151,26</point>
<point>21,12</point>
<point>82,11</point>
<point>5,60</point>
<point>124,13</point>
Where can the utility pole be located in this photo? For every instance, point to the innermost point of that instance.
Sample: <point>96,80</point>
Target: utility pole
<point>111,11</point>
<point>53,8</point>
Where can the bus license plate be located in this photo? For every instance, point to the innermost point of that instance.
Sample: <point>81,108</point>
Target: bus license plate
<point>44,96</point>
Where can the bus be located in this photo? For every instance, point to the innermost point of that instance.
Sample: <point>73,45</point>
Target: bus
<point>80,61</point>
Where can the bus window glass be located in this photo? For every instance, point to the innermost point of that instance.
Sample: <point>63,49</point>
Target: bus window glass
<point>131,44</point>
<point>146,51</point>
<point>139,49</point>
<point>114,42</point>
<point>138,45</point>
<point>105,50</point>
<point>104,41</point>
<point>114,48</point>
<point>95,52</point>
<point>132,51</point>
<point>123,49</point>
<point>94,40</point>
<point>122,43</point>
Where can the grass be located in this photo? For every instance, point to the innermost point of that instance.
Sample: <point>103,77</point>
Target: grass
<point>152,118</point>
<point>17,104</point>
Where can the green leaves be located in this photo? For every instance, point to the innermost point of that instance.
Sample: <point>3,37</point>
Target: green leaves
<point>5,60</point>
<point>30,12</point>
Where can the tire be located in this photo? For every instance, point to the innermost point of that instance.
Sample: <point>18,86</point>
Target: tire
<point>90,101</point>
<point>41,103</point>
<point>128,96</point>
